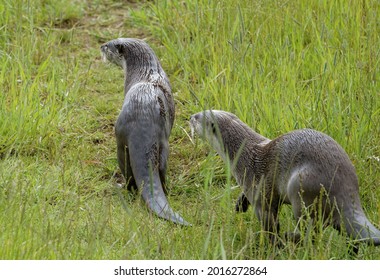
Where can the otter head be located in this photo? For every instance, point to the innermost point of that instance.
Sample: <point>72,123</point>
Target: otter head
<point>113,51</point>
<point>209,125</point>
<point>131,53</point>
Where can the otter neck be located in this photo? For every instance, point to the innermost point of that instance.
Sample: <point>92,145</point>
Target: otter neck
<point>242,139</point>
<point>245,150</point>
<point>141,65</point>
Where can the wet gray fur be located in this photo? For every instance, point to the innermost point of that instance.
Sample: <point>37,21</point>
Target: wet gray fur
<point>145,122</point>
<point>295,168</point>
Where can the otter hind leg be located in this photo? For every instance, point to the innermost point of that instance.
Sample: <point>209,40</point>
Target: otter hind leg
<point>125,166</point>
<point>163,154</point>
<point>352,246</point>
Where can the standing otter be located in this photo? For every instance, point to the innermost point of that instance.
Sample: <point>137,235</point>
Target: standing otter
<point>299,168</point>
<point>145,122</point>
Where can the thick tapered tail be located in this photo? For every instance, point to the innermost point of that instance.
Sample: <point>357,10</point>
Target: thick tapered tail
<point>155,199</point>
<point>146,158</point>
<point>362,230</point>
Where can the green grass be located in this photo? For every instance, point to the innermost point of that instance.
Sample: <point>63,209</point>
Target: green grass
<point>278,65</point>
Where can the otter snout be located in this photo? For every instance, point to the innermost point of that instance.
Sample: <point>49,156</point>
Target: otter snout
<point>103,52</point>
<point>194,123</point>
<point>110,52</point>
<point>103,48</point>
<point>199,124</point>
<point>195,118</point>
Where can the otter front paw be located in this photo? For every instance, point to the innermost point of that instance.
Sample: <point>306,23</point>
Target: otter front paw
<point>242,203</point>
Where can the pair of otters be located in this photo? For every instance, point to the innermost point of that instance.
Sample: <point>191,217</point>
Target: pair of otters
<point>298,168</point>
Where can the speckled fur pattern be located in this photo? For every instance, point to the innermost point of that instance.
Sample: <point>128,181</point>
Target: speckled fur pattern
<point>297,168</point>
<point>144,123</point>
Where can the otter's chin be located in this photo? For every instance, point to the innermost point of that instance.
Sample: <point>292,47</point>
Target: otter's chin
<point>104,57</point>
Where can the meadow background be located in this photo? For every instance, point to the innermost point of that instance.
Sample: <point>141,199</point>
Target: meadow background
<point>278,65</point>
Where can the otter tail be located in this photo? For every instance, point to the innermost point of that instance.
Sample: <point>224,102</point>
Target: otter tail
<point>361,229</point>
<point>154,197</point>
<point>144,158</point>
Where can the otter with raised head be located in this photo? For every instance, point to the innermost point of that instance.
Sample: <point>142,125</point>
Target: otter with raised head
<point>145,122</point>
<point>300,168</point>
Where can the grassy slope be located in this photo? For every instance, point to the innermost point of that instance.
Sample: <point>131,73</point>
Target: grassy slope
<point>278,65</point>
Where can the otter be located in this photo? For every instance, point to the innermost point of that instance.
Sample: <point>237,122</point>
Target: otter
<point>301,168</point>
<point>144,123</point>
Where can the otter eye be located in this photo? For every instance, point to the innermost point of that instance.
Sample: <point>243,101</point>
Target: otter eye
<point>119,48</point>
